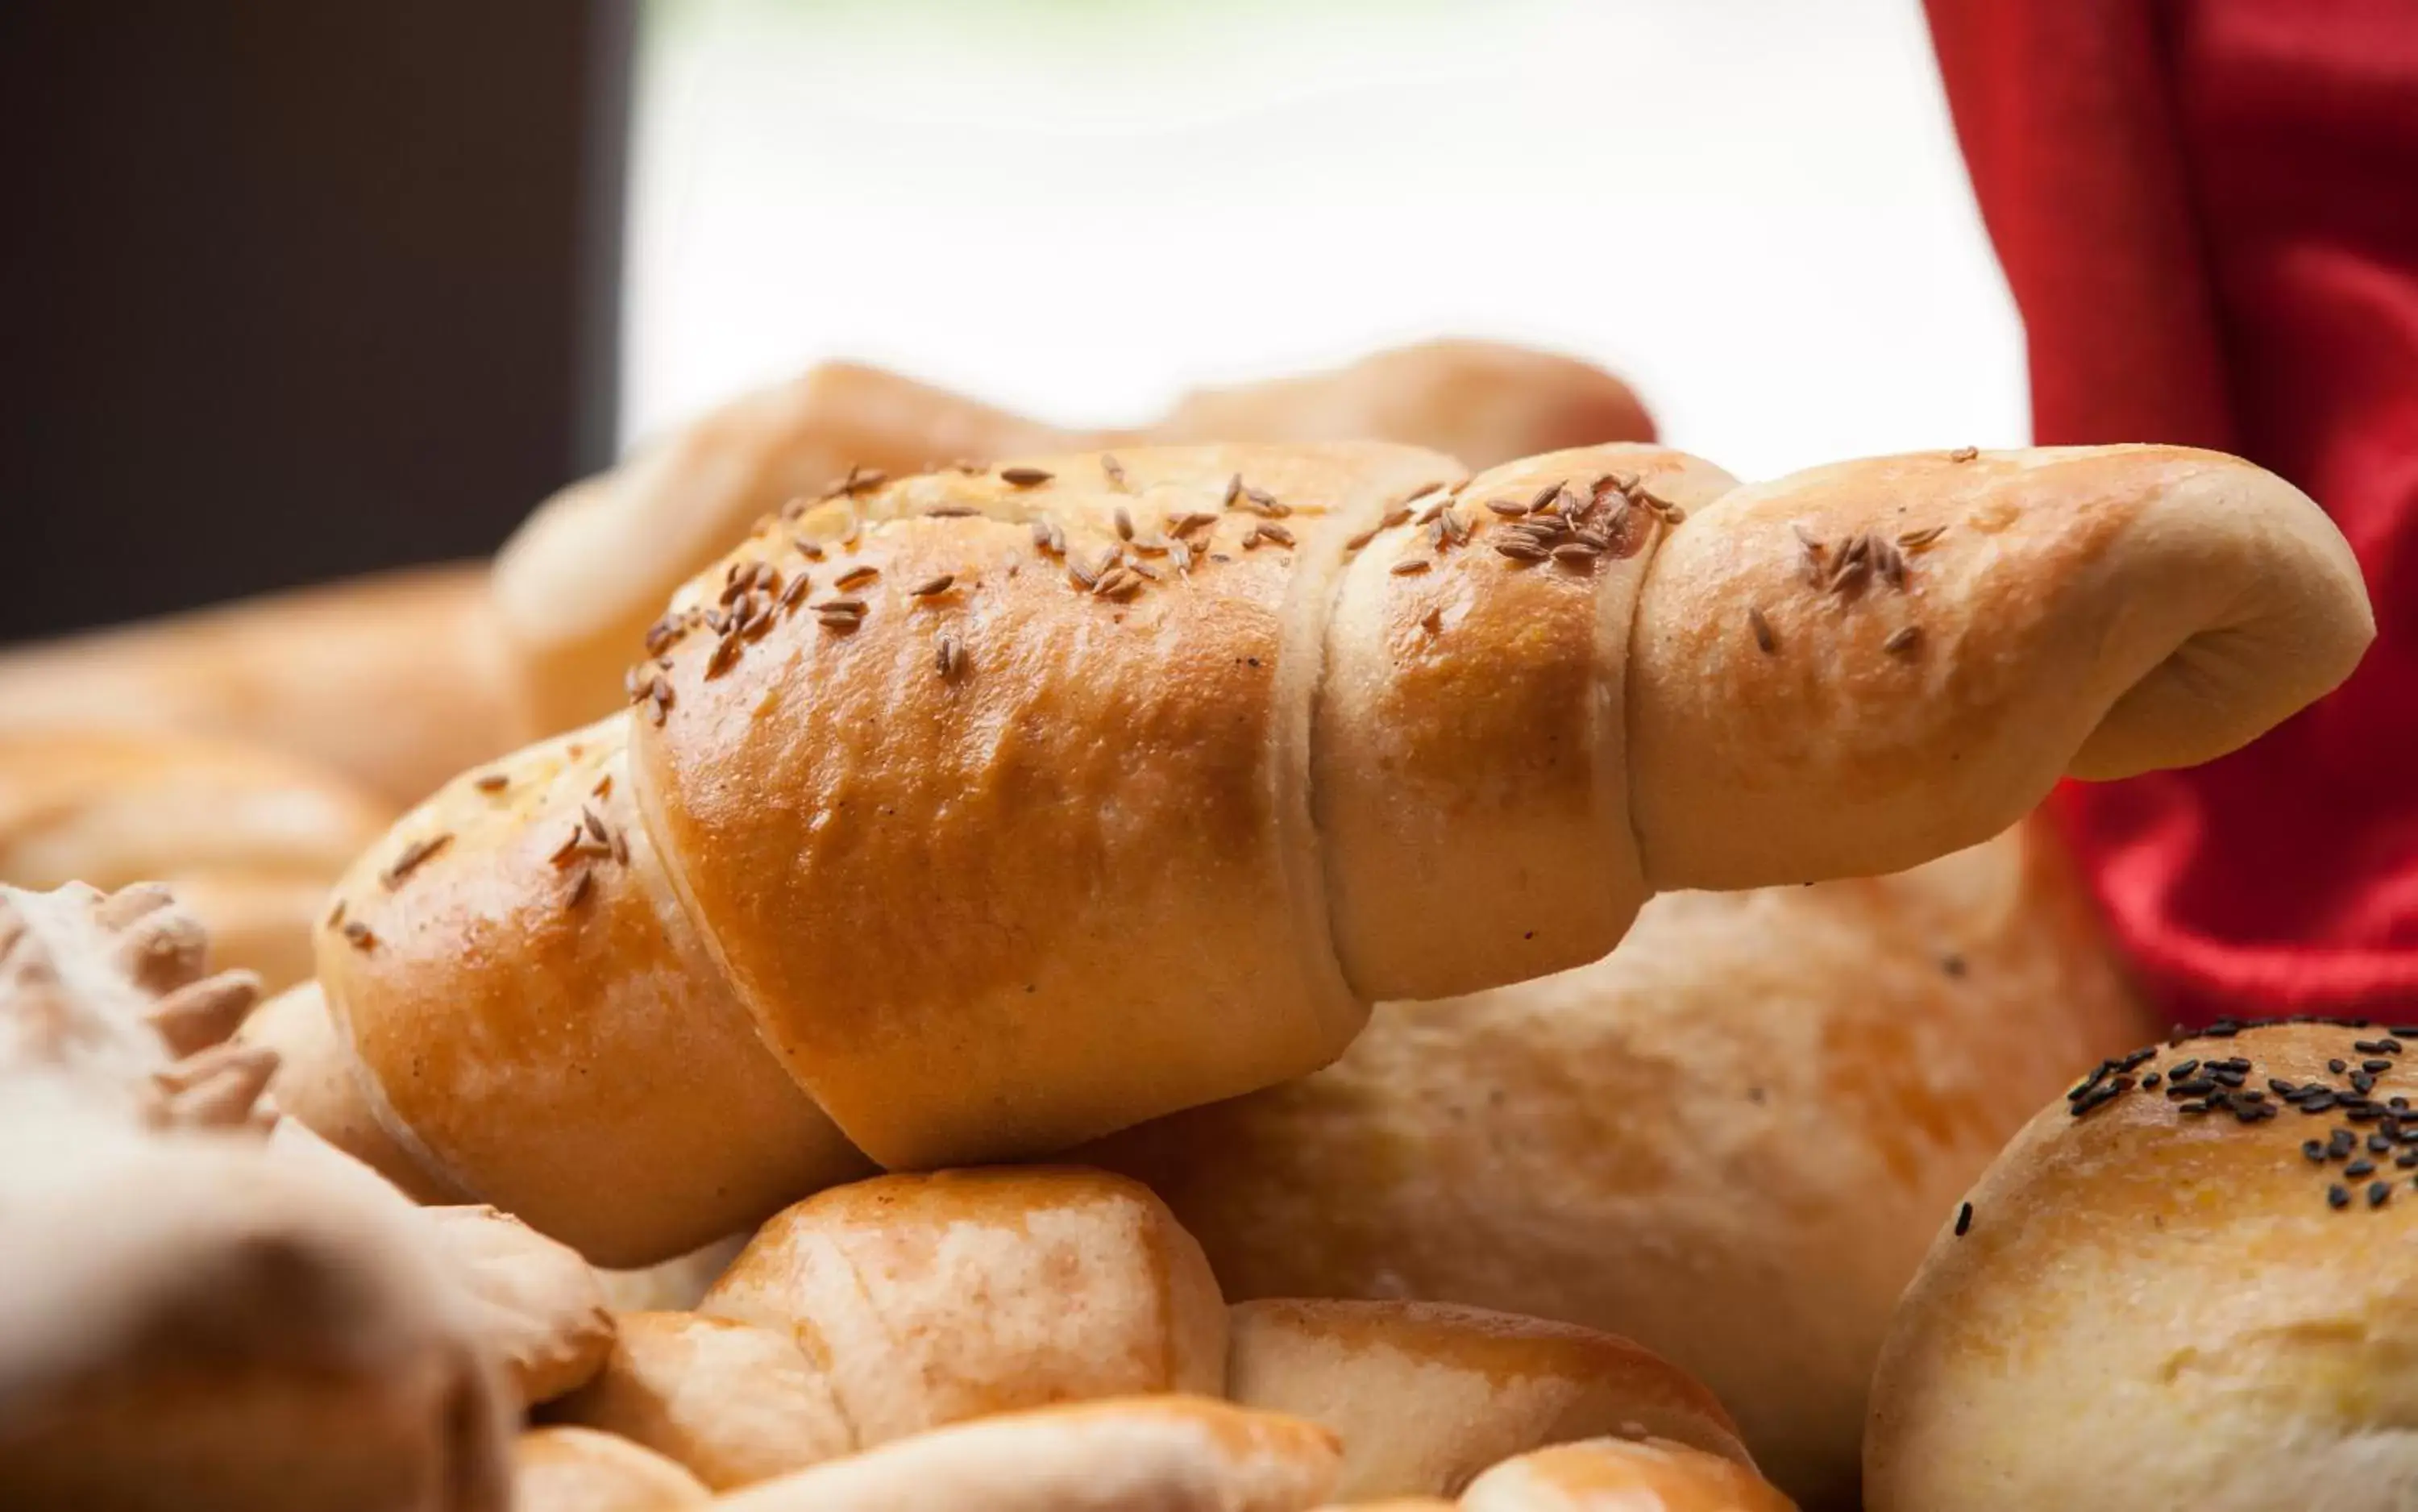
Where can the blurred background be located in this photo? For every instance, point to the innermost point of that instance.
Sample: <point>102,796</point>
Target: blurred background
<point>294,291</point>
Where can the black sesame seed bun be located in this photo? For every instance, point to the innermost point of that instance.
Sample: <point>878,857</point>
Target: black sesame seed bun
<point>2191,1281</point>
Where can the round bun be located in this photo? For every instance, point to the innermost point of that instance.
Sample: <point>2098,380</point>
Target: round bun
<point>248,837</point>
<point>2190,1280</point>
<point>1731,1141</point>
<point>1424,1395</point>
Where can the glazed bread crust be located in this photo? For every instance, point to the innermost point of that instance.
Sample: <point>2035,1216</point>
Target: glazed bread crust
<point>1424,1396</point>
<point>939,780</point>
<point>579,582</point>
<point>2213,1312</point>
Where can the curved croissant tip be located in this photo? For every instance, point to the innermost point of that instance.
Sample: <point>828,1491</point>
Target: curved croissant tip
<point>218,1087</point>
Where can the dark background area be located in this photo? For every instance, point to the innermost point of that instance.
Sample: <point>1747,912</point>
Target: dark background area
<point>294,290</point>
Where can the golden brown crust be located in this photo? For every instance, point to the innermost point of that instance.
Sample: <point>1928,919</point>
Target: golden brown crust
<point>1731,1141</point>
<point>732,1402</point>
<point>248,836</point>
<point>1471,753</point>
<point>529,1006</point>
<point>992,879</point>
<point>1163,1453</point>
<point>2103,610</point>
<point>315,1086</point>
<point>396,681</point>
<point>932,1299</point>
<point>1619,1476</point>
<point>578,584</point>
<point>580,1469</point>
<point>2216,1306</point>
<point>1426,1395</point>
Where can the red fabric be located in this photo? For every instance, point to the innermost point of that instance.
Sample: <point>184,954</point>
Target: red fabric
<point>2207,212</point>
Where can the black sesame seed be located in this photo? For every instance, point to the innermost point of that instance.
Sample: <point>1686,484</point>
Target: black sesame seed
<point>2338,1067</point>
<point>2363,1081</point>
<point>2149,1081</point>
<point>1964,1219</point>
<point>2318,1103</point>
<point>2316,1152</point>
<point>2378,1144</point>
<point>2378,1193</point>
<point>2359,1168</point>
<point>2376,1065</point>
<point>2282,1088</point>
<point>2337,1196</point>
<point>2407,1160</point>
<point>2340,1145</point>
<point>2197,1087</point>
<point>2179,1072</point>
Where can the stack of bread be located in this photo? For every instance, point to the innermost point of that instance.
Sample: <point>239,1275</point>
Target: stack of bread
<point>1245,813</point>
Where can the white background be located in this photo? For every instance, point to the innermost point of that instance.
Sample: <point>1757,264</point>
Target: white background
<point>1753,208</point>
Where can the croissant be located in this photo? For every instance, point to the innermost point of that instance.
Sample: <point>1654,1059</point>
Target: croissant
<point>970,816</point>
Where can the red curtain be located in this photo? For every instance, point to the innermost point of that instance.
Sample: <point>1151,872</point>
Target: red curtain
<point>2208,212</point>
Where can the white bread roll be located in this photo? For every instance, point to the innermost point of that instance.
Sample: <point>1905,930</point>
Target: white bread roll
<point>932,1299</point>
<point>733,1403</point>
<point>1424,1394</point>
<point>2192,1285</point>
<point>1621,1475</point>
<point>1136,1454</point>
<point>250,838</point>
<point>395,682</point>
<point>579,1469</point>
<point>1731,1141</point>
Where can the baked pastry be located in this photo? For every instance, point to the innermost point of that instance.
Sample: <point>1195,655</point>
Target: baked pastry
<point>732,1402</point>
<point>933,1299</point>
<point>396,682</point>
<point>1135,1454</point>
<point>917,784</point>
<point>249,838</point>
<point>580,1469</point>
<point>534,1302</point>
<point>1730,1140</point>
<point>2191,1278</point>
<point>577,586</point>
<point>186,1322</point>
<point>1613,1474</point>
<point>313,1085</point>
<point>1424,1396</point>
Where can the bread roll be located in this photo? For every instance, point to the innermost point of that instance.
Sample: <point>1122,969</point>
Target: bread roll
<point>396,682</point>
<point>2189,1283</point>
<point>1731,1141</point>
<point>535,1302</point>
<point>932,1299</point>
<point>315,1086</point>
<point>732,1402</point>
<point>577,587</point>
<point>1424,1396</point>
<point>186,1322</point>
<point>1140,1454</point>
<point>579,1469</point>
<point>992,861</point>
<point>1619,1476</point>
<point>250,838</point>
<point>676,1285</point>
